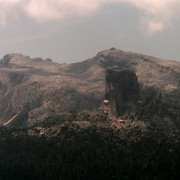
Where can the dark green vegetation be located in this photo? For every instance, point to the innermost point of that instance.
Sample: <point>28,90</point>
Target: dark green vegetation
<point>91,153</point>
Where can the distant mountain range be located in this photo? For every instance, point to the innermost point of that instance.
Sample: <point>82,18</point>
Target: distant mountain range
<point>32,90</point>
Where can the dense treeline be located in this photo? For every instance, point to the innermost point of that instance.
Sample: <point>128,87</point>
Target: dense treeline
<point>86,155</point>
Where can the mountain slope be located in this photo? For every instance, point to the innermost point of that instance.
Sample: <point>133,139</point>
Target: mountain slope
<point>40,88</point>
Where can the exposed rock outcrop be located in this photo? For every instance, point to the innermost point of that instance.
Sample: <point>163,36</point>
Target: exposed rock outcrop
<point>125,99</point>
<point>121,90</point>
<point>150,104</point>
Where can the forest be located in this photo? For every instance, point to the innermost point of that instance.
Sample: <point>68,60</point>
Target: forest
<point>88,154</point>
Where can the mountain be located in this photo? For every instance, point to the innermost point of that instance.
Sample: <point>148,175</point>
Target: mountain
<point>32,90</point>
<point>113,116</point>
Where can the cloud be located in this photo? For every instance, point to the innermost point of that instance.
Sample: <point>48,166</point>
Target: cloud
<point>9,9</point>
<point>44,11</point>
<point>156,15</point>
<point>151,26</point>
<point>48,10</point>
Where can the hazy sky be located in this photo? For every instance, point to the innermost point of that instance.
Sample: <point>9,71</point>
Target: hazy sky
<point>74,30</point>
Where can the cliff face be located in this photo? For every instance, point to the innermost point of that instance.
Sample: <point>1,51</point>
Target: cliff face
<point>125,99</point>
<point>121,90</point>
<point>150,104</point>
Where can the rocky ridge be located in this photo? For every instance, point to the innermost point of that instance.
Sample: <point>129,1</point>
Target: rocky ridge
<point>40,88</point>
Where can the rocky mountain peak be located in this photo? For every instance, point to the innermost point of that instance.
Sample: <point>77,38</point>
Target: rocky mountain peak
<point>17,59</point>
<point>109,52</point>
<point>14,59</point>
<point>20,62</point>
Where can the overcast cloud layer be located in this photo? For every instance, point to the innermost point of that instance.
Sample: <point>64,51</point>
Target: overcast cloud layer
<point>156,15</point>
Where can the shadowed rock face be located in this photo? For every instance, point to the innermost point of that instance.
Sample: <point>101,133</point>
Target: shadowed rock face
<point>150,104</point>
<point>128,101</point>
<point>121,90</point>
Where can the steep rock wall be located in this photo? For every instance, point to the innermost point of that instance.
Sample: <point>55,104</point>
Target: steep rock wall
<point>121,90</point>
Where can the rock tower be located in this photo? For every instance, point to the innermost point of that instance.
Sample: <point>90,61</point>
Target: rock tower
<point>121,91</point>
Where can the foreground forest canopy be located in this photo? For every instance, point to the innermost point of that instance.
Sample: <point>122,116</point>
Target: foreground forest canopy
<point>90,153</point>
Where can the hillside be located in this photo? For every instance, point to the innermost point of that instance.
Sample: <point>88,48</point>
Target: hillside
<point>36,89</point>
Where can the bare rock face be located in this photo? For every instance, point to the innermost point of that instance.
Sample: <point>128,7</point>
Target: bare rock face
<point>126,100</point>
<point>121,90</point>
<point>150,104</point>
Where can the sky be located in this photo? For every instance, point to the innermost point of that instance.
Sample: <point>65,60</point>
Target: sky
<point>74,30</point>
